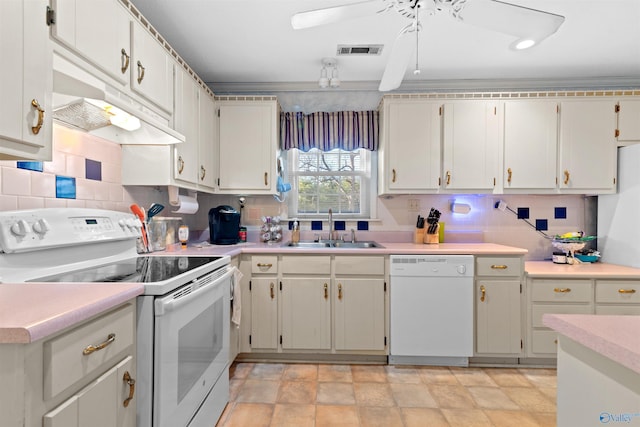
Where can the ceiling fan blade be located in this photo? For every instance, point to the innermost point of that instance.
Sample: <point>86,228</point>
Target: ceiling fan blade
<point>314,18</point>
<point>519,21</point>
<point>401,52</point>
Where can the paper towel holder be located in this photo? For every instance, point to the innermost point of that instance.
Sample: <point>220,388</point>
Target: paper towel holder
<point>174,193</point>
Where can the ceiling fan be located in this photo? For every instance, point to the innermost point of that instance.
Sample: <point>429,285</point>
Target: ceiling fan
<point>529,26</point>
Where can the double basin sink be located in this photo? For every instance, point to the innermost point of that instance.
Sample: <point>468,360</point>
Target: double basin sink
<point>334,244</point>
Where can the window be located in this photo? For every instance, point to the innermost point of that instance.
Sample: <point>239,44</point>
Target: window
<point>339,180</point>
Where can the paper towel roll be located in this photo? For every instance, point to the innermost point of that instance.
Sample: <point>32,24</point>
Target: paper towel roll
<point>186,204</point>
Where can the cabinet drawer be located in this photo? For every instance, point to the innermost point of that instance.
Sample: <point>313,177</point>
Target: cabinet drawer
<point>544,342</point>
<point>498,266</point>
<point>619,309</point>
<point>64,361</point>
<point>311,264</point>
<point>264,264</point>
<point>539,309</point>
<point>361,265</point>
<point>561,290</point>
<point>618,291</point>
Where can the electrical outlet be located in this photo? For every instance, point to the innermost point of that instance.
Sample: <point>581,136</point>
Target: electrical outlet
<point>414,205</point>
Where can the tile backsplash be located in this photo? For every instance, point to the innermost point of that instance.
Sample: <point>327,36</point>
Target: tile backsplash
<point>86,172</point>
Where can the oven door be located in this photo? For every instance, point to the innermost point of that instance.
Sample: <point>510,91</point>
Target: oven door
<point>191,347</point>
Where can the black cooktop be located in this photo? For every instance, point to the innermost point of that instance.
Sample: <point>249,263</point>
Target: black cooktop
<point>143,269</point>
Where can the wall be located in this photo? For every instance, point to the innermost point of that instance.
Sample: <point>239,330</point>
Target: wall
<point>92,167</point>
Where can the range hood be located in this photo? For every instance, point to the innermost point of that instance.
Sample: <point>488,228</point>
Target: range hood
<point>84,102</point>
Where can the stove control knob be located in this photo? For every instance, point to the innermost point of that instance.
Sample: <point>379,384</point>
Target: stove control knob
<point>122,223</point>
<point>130,223</point>
<point>462,269</point>
<point>20,228</point>
<point>41,226</point>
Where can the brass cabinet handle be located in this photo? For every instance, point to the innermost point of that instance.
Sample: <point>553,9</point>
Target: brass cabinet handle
<point>339,291</point>
<point>203,173</point>
<point>36,129</point>
<point>266,178</point>
<point>132,387</point>
<point>180,164</point>
<point>91,348</point>
<point>566,177</point>
<point>509,174</point>
<point>499,267</point>
<point>326,291</point>
<point>393,175</point>
<point>562,290</point>
<point>272,291</point>
<point>483,292</point>
<point>268,265</point>
<point>627,291</point>
<point>448,177</point>
<point>125,61</point>
<point>140,72</point>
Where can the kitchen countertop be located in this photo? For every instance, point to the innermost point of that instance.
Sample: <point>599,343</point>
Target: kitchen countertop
<point>542,269</point>
<point>615,337</point>
<point>32,311</point>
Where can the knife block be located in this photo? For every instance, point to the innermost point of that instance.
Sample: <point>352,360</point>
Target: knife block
<point>418,237</point>
<point>434,238</point>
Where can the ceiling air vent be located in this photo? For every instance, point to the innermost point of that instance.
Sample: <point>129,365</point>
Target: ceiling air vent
<point>359,49</point>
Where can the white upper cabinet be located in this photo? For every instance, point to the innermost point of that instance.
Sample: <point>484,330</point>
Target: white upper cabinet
<point>628,122</point>
<point>471,145</point>
<point>530,145</point>
<point>207,148</point>
<point>409,156</point>
<point>247,132</point>
<point>26,81</point>
<point>185,117</point>
<point>588,148</point>
<point>151,68</point>
<point>99,30</point>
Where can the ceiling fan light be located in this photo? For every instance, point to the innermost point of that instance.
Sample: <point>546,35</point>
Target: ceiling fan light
<point>524,44</point>
<point>335,80</point>
<point>323,82</point>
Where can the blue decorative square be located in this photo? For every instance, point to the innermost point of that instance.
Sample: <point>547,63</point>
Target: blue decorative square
<point>65,187</point>
<point>32,166</point>
<point>542,225</point>
<point>363,225</point>
<point>316,225</point>
<point>93,169</point>
<point>523,213</point>
<point>339,225</point>
<point>560,213</point>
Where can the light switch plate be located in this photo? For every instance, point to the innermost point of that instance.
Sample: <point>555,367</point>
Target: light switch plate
<point>414,205</point>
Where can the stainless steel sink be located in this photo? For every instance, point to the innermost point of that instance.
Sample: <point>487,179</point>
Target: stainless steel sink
<point>335,244</point>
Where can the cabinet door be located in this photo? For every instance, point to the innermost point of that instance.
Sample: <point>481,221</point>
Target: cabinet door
<point>102,35</point>
<point>186,122</point>
<point>412,145</point>
<point>359,314</point>
<point>306,311</point>
<point>588,147</point>
<point>151,68</point>
<point>247,135</point>
<point>264,313</point>
<point>26,81</point>
<point>629,121</point>
<point>498,314</point>
<point>530,144</point>
<point>471,141</point>
<point>207,141</point>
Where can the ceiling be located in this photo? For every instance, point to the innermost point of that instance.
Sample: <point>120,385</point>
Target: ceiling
<point>249,45</point>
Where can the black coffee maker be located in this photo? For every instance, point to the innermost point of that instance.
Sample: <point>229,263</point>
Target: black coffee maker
<point>224,225</point>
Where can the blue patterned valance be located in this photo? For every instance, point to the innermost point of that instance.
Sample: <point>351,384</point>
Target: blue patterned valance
<point>347,130</point>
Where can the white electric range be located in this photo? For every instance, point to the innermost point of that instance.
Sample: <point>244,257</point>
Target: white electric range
<point>183,315</point>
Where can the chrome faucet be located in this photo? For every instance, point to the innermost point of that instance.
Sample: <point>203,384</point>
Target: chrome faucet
<point>330,224</point>
<point>353,235</point>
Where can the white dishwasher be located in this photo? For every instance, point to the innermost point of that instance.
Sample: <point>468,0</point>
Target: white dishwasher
<point>431,309</point>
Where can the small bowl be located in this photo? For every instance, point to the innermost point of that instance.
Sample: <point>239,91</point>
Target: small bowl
<point>586,258</point>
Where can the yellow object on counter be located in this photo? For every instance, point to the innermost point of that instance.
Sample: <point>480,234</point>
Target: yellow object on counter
<point>441,232</point>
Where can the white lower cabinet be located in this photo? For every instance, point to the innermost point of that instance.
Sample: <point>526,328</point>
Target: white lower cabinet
<point>498,302</point>
<point>316,304</point>
<point>83,376</point>
<point>618,297</point>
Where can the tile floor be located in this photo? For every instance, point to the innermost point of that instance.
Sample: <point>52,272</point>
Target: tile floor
<point>265,394</point>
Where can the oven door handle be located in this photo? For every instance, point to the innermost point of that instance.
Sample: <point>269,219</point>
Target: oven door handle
<point>179,298</point>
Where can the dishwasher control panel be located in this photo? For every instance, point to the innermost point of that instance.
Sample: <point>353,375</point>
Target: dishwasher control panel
<point>432,265</point>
